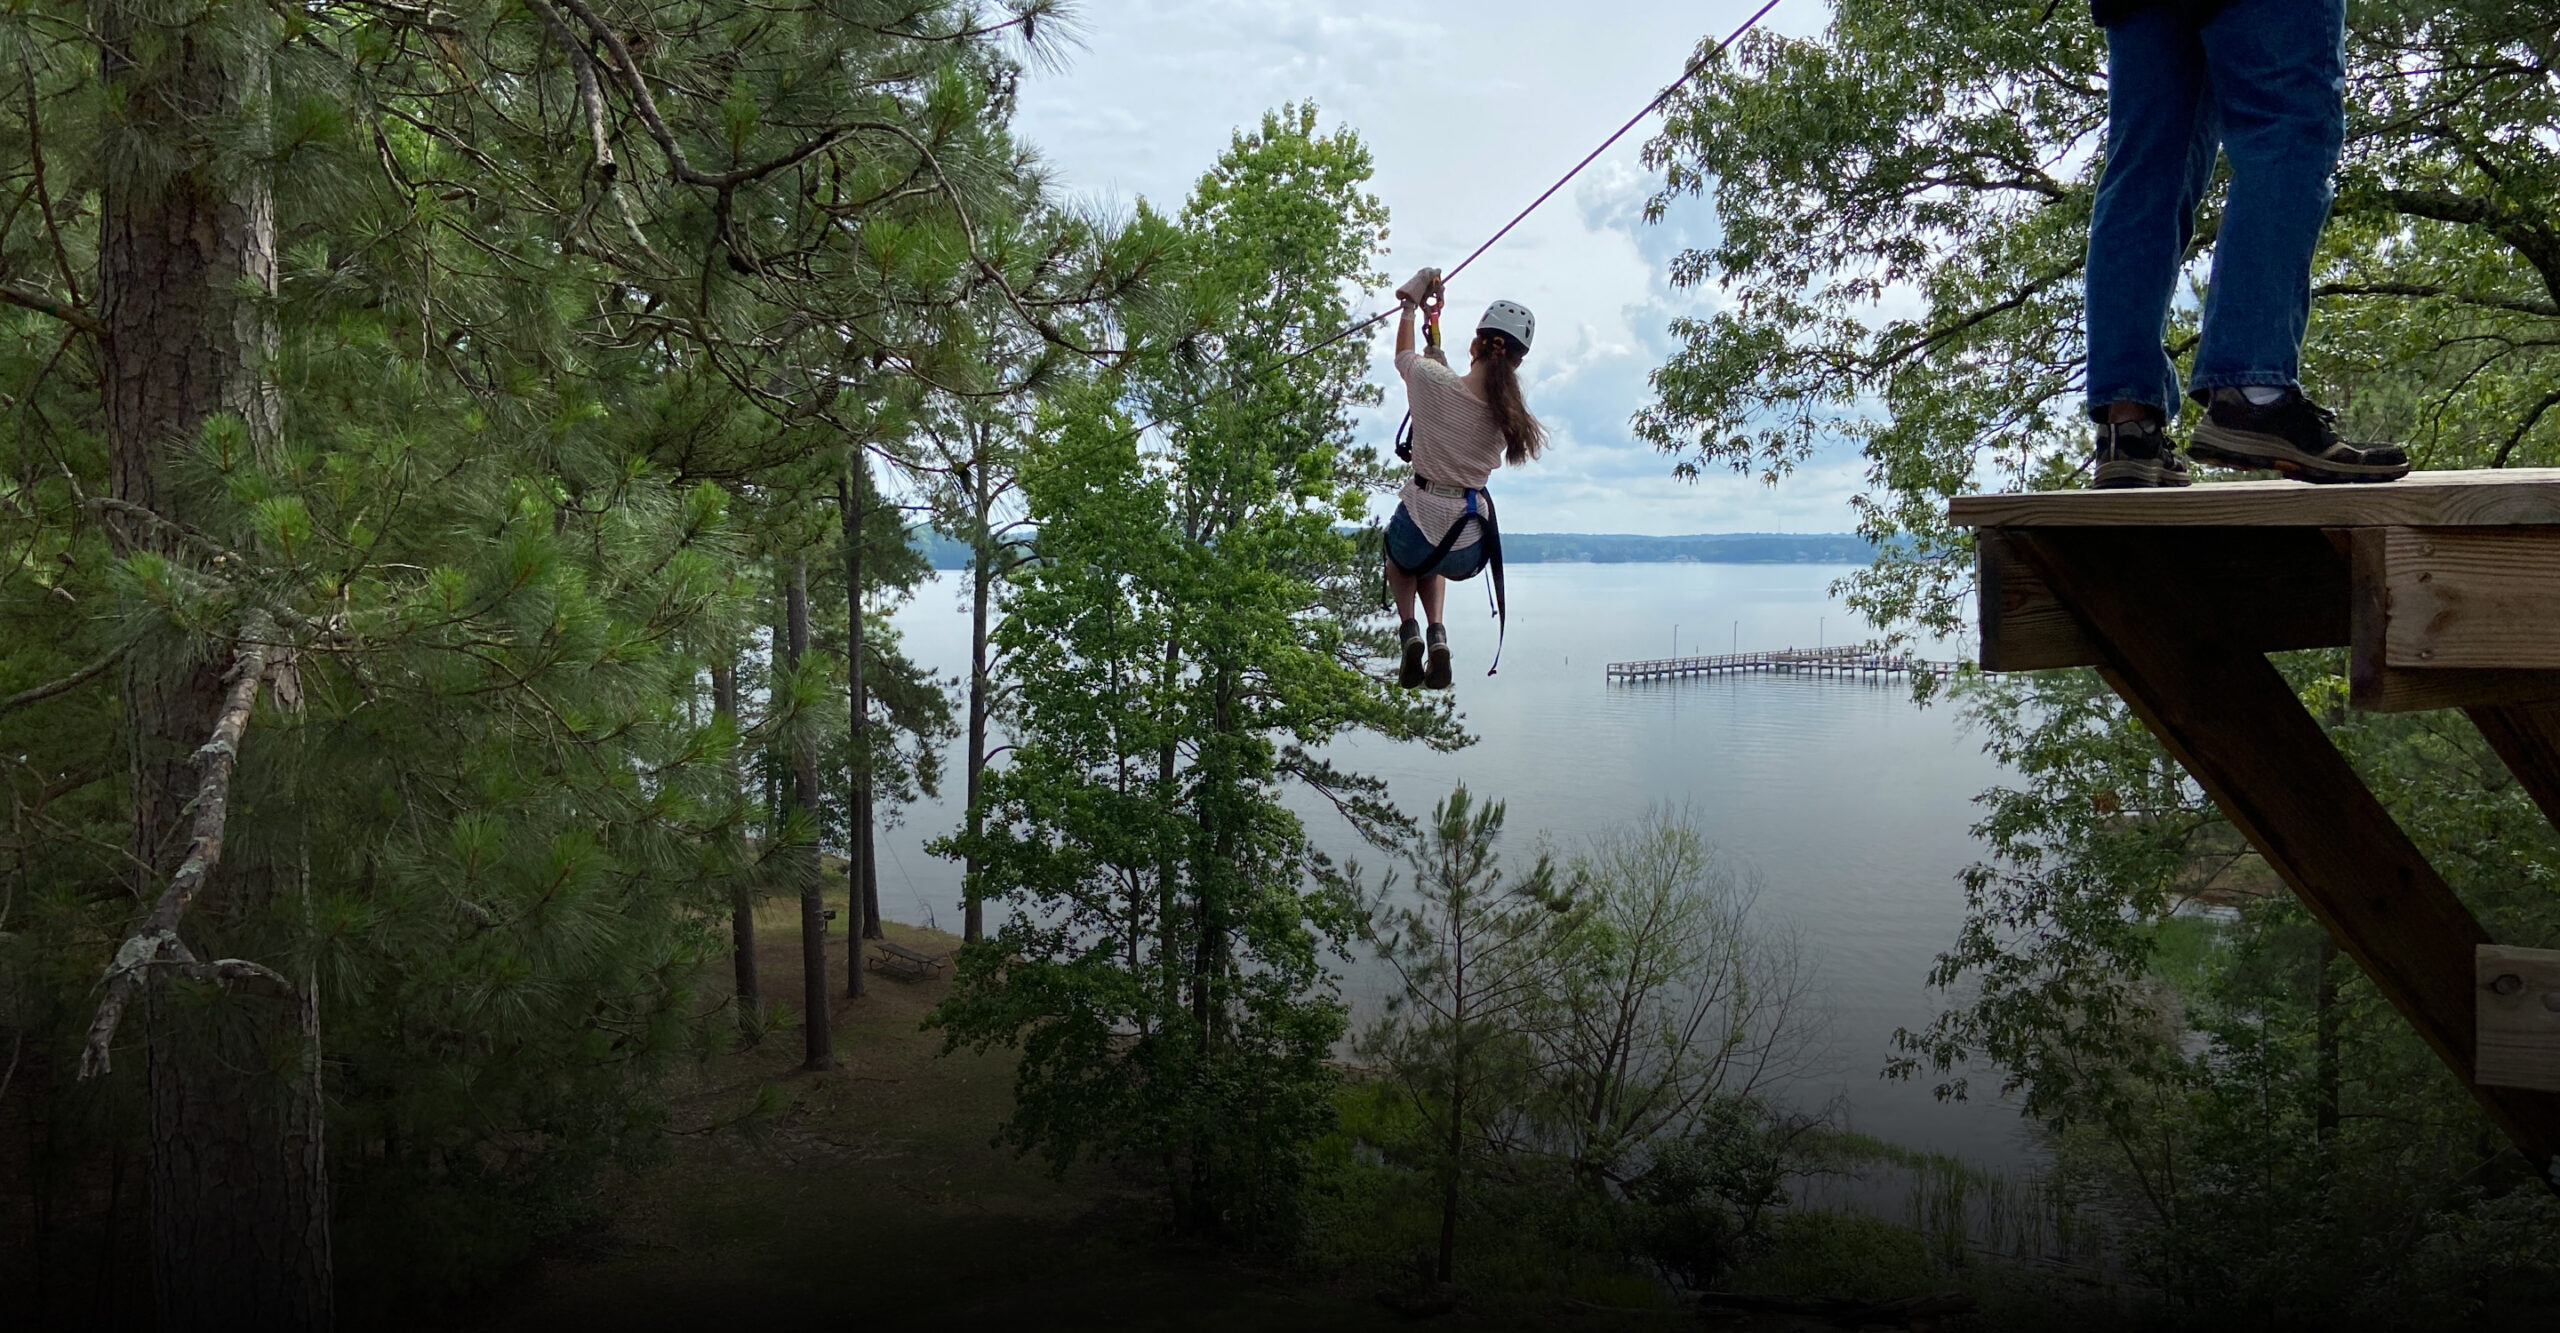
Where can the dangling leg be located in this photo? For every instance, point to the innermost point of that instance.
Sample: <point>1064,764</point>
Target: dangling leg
<point>1435,591</point>
<point>1403,585</point>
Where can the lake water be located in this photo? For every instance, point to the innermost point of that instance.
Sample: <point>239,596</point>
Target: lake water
<point>1851,803</point>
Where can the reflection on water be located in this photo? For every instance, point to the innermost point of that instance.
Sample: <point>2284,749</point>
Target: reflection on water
<point>1850,803</point>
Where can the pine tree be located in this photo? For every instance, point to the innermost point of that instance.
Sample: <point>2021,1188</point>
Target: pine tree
<point>389,384</point>
<point>1471,953</point>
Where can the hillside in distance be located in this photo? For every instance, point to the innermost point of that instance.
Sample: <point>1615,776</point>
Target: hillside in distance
<point>1599,548</point>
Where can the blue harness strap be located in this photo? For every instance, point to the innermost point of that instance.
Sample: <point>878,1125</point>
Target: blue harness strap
<point>1492,536</point>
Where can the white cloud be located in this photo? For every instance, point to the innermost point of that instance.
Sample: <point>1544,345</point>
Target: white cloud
<point>1469,116</point>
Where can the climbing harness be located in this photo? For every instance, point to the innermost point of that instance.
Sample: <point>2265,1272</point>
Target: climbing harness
<point>1490,532</point>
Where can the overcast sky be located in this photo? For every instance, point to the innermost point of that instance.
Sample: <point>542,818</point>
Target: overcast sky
<point>1471,110</point>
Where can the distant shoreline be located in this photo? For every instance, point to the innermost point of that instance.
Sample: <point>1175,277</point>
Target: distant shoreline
<point>1601,548</point>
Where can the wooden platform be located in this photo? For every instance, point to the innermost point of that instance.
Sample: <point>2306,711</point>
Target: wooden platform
<point>2445,589</point>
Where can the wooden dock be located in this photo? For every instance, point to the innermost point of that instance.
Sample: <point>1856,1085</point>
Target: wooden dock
<point>1784,661</point>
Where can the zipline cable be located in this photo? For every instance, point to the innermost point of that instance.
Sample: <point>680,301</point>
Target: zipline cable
<point>1695,68</point>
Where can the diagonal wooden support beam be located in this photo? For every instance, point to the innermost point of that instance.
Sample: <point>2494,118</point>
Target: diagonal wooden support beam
<point>2225,713</point>
<point>2527,738</point>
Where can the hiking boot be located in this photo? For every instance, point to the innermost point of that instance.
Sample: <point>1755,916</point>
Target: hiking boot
<point>1439,677</point>
<point>2136,454</point>
<point>2173,465</point>
<point>2291,435</point>
<point>1410,674</point>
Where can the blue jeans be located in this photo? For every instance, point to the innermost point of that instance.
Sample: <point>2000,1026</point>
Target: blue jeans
<point>2264,81</point>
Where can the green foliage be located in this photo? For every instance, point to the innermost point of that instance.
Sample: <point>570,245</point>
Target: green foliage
<point>1712,1197</point>
<point>1902,204</point>
<point>549,388</point>
<point>1668,1001</point>
<point>1471,953</point>
<point>1901,207</point>
<point>1816,1253</point>
<point>1190,624</point>
<point>1583,1052</point>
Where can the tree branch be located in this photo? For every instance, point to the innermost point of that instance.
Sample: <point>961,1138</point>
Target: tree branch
<point>155,942</point>
<point>590,96</point>
<point>2549,400</point>
<point>2532,237</point>
<point>2521,305</point>
<point>12,294</point>
<point>71,682</point>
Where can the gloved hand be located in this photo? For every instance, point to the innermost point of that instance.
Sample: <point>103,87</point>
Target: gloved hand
<point>1422,284</point>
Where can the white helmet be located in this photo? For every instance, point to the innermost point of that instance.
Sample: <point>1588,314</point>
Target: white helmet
<point>1509,317</point>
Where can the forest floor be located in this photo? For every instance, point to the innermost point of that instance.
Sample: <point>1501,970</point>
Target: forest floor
<point>873,1194</point>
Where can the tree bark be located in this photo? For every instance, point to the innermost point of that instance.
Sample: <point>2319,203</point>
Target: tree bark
<point>819,1051</point>
<point>742,898</point>
<point>982,577</point>
<point>850,505</point>
<point>186,276</point>
<point>870,868</point>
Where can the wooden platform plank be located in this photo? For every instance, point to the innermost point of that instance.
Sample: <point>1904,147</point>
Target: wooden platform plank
<point>2519,1031</point>
<point>2472,597</point>
<point>2272,589</point>
<point>2490,496</point>
<point>2223,711</point>
<point>2024,626</point>
<point>2377,686</point>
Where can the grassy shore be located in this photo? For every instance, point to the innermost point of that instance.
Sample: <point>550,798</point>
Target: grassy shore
<point>873,1193</point>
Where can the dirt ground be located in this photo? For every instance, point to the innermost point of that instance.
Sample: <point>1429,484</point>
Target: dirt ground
<point>874,1195</point>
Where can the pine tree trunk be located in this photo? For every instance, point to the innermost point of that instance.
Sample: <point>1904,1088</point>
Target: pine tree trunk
<point>820,1051</point>
<point>186,243</point>
<point>849,505</point>
<point>870,867</point>
<point>1454,1168</point>
<point>1450,1170</point>
<point>982,581</point>
<point>974,899</point>
<point>742,898</point>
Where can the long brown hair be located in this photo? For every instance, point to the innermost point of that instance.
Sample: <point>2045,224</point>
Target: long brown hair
<point>1522,436</point>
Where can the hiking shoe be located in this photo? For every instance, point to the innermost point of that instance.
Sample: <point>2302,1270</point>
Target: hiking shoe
<point>2135,454</point>
<point>2291,435</point>
<point>1410,674</point>
<point>1439,677</point>
<point>2173,465</point>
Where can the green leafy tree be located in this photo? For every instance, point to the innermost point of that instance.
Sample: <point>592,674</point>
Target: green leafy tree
<point>1933,157</point>
<point>1902,205</point>
<point>1669,1000</point>
<point>1190,625</point>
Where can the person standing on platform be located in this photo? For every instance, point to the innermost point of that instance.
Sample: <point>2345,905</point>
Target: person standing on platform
<point>2264,83</point>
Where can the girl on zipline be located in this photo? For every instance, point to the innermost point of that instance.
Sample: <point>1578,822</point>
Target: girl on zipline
<point>1464,426</point>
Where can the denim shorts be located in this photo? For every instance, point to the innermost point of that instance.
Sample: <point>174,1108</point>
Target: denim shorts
<point>1409,549</point>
